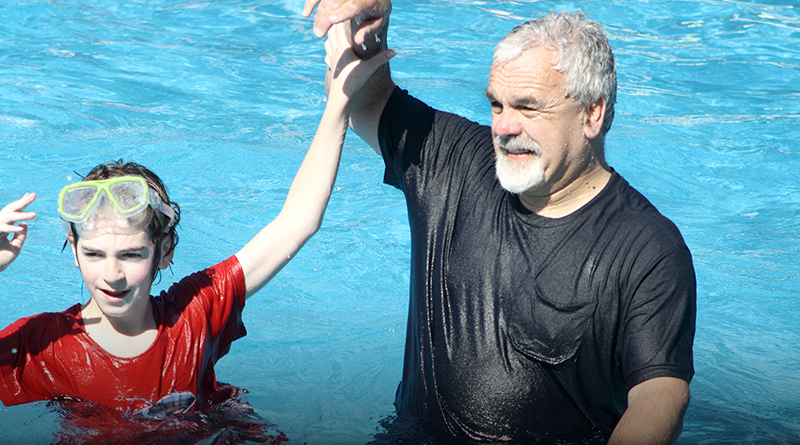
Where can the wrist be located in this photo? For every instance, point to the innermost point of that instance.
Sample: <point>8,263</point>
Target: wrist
<point>374,42</point>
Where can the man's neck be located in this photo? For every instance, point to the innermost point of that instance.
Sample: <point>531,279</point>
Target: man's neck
<point>570,198</point>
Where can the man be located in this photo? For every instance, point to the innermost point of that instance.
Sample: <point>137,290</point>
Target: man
<point>550,301</point>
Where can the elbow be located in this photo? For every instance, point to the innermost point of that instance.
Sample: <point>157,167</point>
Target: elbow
<point>304,225</point>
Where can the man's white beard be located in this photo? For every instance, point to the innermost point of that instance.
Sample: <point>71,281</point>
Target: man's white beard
<point>518,177</point>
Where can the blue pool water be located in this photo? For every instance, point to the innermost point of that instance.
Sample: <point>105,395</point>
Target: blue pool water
<point>221,98</point>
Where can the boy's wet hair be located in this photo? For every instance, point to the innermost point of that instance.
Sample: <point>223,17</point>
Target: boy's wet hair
<point>159,227</point>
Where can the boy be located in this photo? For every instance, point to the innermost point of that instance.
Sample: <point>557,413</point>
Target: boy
<point>155,355</point>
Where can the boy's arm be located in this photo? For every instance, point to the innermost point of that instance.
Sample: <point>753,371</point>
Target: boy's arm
<point>9,215</point>
<point>308,196</point>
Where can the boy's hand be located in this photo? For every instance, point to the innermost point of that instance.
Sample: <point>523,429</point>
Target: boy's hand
<point>11,214</point>
<point>346,72</point>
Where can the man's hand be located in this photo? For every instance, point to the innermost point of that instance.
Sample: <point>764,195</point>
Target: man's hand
<point>11,214</point>
<point>367,17</point>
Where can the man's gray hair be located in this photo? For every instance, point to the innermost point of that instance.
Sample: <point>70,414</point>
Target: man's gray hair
<point>585,58</point>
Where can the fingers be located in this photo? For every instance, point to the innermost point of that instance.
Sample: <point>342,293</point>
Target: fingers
<point>367,28</point>
<point>309,7</point>
<point>338,52</point>
<point>351,73</point>
<point>368,15</point>
<point>13,213</point>
<point>367,67</point>
<point>329,13</point>
<point>10,249</point>
<point>19,238</point>
<point>345,12</point>
<point>19,204</point>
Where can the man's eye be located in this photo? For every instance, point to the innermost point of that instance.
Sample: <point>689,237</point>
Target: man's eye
<point>529,112</point>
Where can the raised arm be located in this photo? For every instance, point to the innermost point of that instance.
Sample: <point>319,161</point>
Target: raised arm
<point>367,24</point>
<point>9,216</point>
<point>301,215</point>
<point>655,413</point>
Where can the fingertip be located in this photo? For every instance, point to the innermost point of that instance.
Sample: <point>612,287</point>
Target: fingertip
<point>308,7</point>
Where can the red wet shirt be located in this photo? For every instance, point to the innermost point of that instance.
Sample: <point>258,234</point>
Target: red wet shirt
<point>50,355</point>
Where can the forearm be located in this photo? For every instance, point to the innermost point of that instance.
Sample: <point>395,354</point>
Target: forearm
<point>311,189</point>
<point>368,106</point>
<point>655,413</point>
<point>301,216</point>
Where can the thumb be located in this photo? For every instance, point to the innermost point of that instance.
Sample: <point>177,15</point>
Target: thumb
<point>363,69</point>
<point>19,238</point>
<point>381,58</point>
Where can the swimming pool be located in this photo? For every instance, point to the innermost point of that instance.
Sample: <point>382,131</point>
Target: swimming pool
<point>222,98</point>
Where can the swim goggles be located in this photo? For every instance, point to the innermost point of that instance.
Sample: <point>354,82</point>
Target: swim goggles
<point>116,204</point>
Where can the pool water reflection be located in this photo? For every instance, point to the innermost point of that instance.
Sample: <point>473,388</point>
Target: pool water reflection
<point>222,99</point>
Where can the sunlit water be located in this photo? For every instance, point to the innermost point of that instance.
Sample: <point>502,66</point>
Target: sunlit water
<point>221,98</point>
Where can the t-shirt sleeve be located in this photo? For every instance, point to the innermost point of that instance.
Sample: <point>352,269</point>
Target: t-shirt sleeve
<point>25,351</point>
<point>219,293</point>
<point>13,351</point>
<point>423,147</point>
<point>659,329</point>
<point>403,128</point>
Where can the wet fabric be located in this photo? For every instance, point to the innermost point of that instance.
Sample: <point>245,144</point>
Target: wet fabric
<point>51,355</point>
<point>525,328</point>
<point>228,419</point>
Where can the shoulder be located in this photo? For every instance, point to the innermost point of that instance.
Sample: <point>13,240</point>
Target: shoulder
<point>406,118</point>
<point>644,238</point>
<point>47,320</point>
<point>639,216</point>
<point>226,274</point>
<point>223,279</point>
<point>629,231</point>
<point>37,331</point>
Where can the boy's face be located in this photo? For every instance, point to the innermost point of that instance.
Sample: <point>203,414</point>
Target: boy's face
<point>117,271</point>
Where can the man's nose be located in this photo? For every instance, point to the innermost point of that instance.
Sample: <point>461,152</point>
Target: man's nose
<point>506,122</point>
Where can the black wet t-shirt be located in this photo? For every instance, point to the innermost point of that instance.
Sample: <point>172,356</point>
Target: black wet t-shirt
<point>521,327</point>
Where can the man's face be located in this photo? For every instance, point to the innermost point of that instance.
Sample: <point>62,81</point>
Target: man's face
<point>538,132</point>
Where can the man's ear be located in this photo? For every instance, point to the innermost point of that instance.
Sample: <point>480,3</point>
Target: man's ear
<point>593,120</point>
<point>166,258</point>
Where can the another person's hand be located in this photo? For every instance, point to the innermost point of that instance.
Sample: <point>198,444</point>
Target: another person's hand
<point>346,72</point>
<point>9,216</point>
<point>367,16</point>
